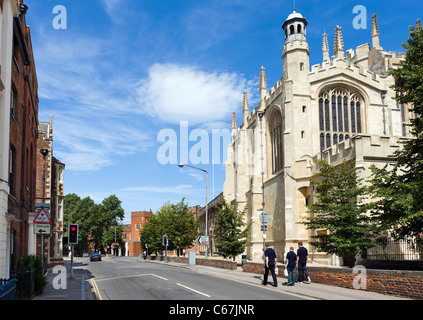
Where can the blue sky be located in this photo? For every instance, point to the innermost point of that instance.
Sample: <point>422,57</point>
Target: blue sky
<point>123,71</point>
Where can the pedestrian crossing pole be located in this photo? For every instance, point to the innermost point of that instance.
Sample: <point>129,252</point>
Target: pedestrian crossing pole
<point>165,243</point>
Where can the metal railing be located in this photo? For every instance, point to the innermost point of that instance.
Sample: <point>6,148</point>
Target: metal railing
<point>7,289</point>
<point>26,284</point>
<point>402,250</point>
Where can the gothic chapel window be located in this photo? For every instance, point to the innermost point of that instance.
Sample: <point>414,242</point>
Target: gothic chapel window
<point>340,116</point>
<point>276,135</point>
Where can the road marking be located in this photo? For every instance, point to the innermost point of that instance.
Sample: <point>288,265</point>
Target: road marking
<point>83,288</point>
<point>159,277</point>
<point>96,291</point>
<point>206,295</point>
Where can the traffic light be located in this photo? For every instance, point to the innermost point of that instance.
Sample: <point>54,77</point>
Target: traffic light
<point>165,240</point>
<point>73,234</point>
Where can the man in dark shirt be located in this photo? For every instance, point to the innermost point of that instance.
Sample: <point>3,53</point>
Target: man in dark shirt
<point>290,264</point>
<point>302,254</point>
<point>271,263</point>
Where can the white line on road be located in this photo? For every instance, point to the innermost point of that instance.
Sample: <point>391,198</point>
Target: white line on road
<point>159,277</point>
<point>193,290</point>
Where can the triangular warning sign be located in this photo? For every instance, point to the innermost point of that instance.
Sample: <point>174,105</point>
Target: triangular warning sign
<point>42,217</point>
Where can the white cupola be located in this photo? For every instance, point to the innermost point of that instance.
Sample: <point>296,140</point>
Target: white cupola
<point>295,27</point>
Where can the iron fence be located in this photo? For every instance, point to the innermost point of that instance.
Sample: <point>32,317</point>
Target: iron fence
<point>7,289</point>
<point>401,250</point>
<point>26,284</point>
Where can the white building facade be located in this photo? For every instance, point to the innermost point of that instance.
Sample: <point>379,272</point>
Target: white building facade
<point>9,10</point>
<point>340,109</point>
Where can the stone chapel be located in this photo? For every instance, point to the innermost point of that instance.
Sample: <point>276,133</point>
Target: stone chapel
<point>339,109</point>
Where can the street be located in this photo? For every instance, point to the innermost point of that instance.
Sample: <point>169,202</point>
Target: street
<point>129,278</point>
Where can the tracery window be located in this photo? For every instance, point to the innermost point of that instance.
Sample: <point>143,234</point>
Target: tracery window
<point>340,116</point>
<point>276,136</point>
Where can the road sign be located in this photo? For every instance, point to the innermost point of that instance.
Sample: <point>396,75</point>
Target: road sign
<point>40,205</point>
<point>264,218</point>
<point>42,217</point>
<point>203,240</point>
<point>42,228</point>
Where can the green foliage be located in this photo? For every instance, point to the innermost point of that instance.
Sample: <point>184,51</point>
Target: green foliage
<point>174,220</point>
<point>40,280</point>
<point>231,231</point>
<point>339,209</point>
<point>398,188</point>
<point>97,222</point>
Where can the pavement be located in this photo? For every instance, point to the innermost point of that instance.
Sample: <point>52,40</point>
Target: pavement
<point>79,287</point>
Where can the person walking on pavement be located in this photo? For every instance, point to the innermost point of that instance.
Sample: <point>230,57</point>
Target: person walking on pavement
<point>302,255</point>
<point>290,265</point>
<point>271,263</point>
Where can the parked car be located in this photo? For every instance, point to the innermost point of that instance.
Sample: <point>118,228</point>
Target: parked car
<point>85,255</point>
<point>95,256</point>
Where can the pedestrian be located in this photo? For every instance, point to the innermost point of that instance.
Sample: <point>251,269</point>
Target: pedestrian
<point>271,263</point>
<point>144,254</point>
<point>302,256</point>
<point>290,265</point>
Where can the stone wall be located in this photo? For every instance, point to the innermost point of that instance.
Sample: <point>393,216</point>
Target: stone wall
<point>222,264</point>
<point>408,284</point>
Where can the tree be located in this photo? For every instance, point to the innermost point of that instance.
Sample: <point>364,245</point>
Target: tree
<point>182,227</point>
<point>339,210</point>
<point>398,188</point>
<point>79,211</point>
<point>151,234</point>
<point>96,221</point>
<point>231,230</point>
<point>176,221</point>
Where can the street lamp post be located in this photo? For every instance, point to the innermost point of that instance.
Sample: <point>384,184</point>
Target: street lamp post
<point>261,115</point>
<point>207,203</point>
<point>44,153</point>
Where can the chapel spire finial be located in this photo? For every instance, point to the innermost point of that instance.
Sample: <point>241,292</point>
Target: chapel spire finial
<point>263,81</point>
<point>234,125</point>
<point>325,48</point>
<point>245,108</point>
<point>338,46</point>
<point>375,33</point>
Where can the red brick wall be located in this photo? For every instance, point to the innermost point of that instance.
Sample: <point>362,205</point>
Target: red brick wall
<point>134,248</point>
<point>23,138</point>
<point>137,218</point>
<point>408,284</point>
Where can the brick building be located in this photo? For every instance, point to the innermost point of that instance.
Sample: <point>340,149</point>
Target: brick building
<point>132,241</point>
<point>53,195</point>
<point>23,133</point>
<point>133,244</point>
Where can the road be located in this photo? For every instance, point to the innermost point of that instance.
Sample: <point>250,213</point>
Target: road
<point>129,278</point>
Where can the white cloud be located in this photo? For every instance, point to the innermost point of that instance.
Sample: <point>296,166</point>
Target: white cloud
<point>174,93</point>
<point>85,146</point>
